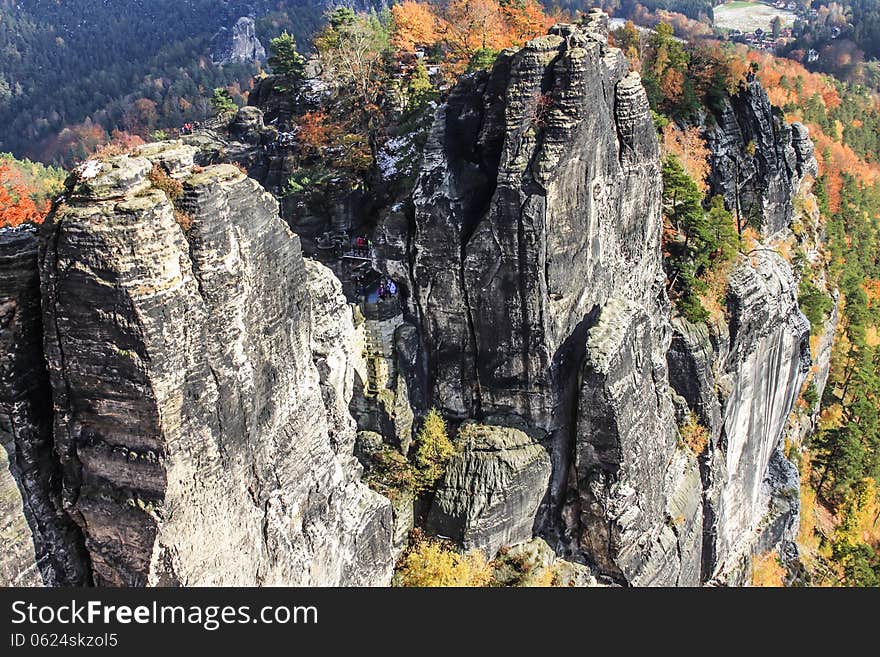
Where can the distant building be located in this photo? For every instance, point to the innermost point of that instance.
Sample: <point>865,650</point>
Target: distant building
<point>812,55</point>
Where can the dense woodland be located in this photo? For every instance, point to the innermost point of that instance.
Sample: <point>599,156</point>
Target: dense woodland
<point>76,74</point>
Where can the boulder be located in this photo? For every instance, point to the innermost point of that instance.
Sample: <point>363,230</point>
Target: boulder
<point>492,488</point>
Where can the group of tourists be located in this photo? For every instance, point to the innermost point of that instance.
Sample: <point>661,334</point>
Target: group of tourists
<point>189,128</point>
<point>387,287</point>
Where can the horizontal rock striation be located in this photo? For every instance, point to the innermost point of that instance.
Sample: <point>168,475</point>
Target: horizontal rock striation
<point>492,488</point>
<point>201,376</point>
<point>537,204</point>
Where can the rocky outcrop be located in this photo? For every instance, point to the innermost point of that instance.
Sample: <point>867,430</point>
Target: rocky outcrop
<point>639,493</point>
<point>237,44</point>
<point>41,544</point>
<point>758,161</point>
<point>490,494</point>
<point>767,361</point>
<point>741,379</point>
<point>201,374</point>
<point>537,215</point>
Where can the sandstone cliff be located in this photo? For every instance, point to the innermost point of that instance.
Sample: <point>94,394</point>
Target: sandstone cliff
<point>200,371</point>
<point>741,378</point>
<point>758,161</point>
<point>538,287</point>
<point>203,374</point>
<point>40,542</point>
<point>238,43</point>
<point>536,255</point>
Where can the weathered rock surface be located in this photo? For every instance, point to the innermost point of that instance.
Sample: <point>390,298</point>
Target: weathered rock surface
<point>201,381</point>
<point>492,488</point>
<point>742,382</point>
<point>41,544</point>
<point>538,202</point>
<point>534,563</point>
<point>768,359</point>
<point>204,379</point>
<point>758,161</point>
<point>237,44</point>
<point>640,497</point>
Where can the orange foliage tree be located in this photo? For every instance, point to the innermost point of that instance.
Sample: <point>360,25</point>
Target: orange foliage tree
<point>690,148</point>
<point>465,27</point>
<point>415,23</point>
<point>16,205</point>
<point>314,131</point>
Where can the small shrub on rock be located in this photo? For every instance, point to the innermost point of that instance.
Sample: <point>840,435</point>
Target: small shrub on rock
<point>430,562</point>
<point>161,180</point>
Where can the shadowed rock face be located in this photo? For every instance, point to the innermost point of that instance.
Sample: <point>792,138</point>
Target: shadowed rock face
<point>758,161</point>
<point>41,544</point>
<point>200,402</point>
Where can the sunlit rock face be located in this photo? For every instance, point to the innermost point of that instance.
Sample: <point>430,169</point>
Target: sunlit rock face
<point>537,223</point>
<point>238,44</point>
<point>200,400</point>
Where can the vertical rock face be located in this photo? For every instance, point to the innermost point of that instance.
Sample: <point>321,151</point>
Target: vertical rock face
<point>536,180</point>
<point>742,382</point>
<point>200,398</point>
<point>768,359</point>
<point>41,545</point>
<point>537,219</point>
<point>758,161</point>
<point>639,494</point>
<point>239,44</point>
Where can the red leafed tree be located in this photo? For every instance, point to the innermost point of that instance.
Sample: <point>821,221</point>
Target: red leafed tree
<point>315,131</point>
<point>16,205</point>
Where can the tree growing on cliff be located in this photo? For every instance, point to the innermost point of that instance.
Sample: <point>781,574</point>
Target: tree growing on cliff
<point>433,450</point>
<point>695,239</point>
<point>284,59</point>
<point>814,303</point>
<point>222,102</point>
